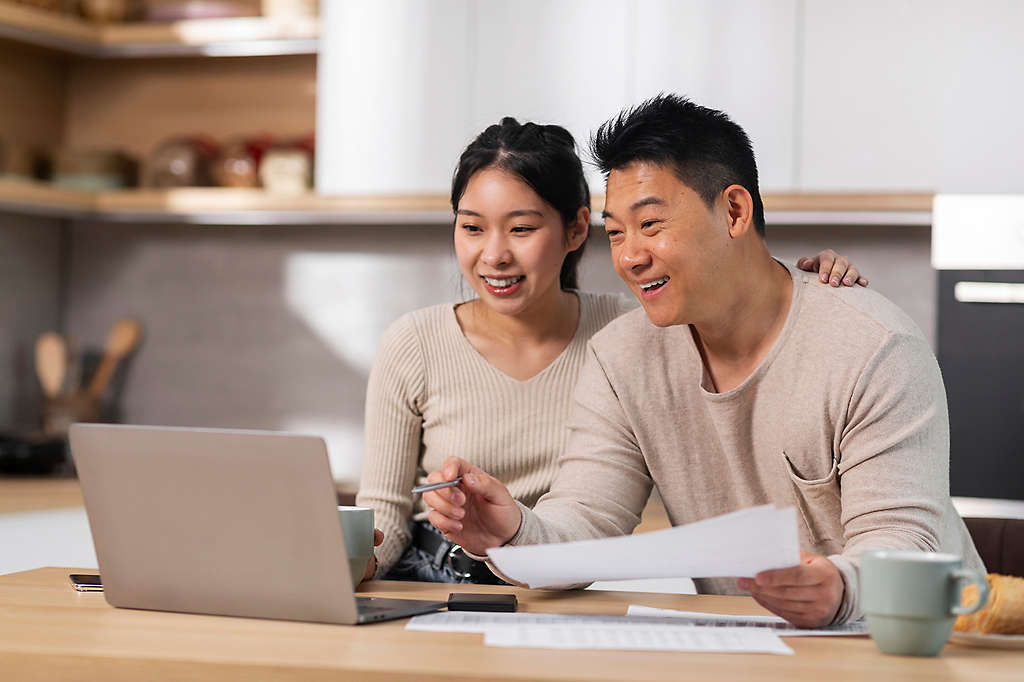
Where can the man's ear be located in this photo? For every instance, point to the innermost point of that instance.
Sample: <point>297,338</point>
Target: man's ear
<point>580,228</point>
<point>740,207</point>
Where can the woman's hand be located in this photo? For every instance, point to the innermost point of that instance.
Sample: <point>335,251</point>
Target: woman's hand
<point>371,567</point>
<point>808,595</point>
<point>478,514</point>
<point>833,269</point>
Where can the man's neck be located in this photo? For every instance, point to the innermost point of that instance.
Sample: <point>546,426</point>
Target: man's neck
<point>737,335</point>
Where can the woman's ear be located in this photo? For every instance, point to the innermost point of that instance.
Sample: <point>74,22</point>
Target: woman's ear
<point>578,231</point>
<point>740,206</point>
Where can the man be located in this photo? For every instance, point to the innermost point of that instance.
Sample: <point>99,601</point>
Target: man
<point>728,395</point>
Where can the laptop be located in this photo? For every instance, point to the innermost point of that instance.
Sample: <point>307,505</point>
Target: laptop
<point>222,522</point>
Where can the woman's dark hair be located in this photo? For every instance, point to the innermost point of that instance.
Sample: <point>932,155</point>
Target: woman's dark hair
<point>542,156</point>
<point>707,151</point>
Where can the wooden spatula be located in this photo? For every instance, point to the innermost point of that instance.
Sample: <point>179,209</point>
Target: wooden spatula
<point>51,363</point>
<point>124,337</point>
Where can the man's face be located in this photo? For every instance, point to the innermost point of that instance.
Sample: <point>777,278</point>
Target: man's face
<point>665,242</point>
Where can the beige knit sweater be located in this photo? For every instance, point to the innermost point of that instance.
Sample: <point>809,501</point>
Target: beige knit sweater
<point>845,419</point>
<point>431,395</point>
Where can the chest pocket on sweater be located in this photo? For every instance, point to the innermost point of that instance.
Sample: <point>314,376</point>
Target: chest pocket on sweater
<point>820,505</point>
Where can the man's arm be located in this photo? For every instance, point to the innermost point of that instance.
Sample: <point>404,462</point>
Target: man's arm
<point>894,483</point>
<point>894,459</point>
<point>602,483</point>
<point>600,489</point>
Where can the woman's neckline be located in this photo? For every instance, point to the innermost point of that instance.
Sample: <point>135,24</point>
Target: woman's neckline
<point>544,370</point>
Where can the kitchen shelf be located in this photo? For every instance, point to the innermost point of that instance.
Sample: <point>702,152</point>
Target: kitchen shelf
<point>219,206</point>
<point>234,37</point>
<point>222,206</point>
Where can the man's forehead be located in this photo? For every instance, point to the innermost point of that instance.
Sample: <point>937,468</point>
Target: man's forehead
<point>641,183</point>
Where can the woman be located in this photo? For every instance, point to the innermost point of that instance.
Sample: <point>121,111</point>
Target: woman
<point>491,379</point>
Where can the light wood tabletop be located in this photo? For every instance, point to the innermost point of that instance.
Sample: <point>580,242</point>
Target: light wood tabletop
<point>50,632</point>
<point>38,493</point>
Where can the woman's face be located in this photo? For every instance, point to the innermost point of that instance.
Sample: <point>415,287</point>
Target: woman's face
<point>510,243</point>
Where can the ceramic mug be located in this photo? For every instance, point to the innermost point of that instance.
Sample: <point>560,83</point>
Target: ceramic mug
<point>911,598</point>
<point>357,527</point>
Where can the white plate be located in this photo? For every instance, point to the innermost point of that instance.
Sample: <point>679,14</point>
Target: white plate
<point>988,641</point>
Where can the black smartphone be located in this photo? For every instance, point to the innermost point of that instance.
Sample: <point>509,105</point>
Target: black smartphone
<point>84,582</point>
<point>469,601</point>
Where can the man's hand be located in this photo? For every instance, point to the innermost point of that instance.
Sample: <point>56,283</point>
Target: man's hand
<point>371,567</point>
<point>808,595</point>
<point>833,269</point>
<point>478,514</point>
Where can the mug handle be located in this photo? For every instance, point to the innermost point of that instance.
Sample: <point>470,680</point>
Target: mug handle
<point>964,577</point>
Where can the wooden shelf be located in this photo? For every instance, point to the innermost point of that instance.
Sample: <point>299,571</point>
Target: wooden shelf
<point>238,37</point>
<point>220,206</point>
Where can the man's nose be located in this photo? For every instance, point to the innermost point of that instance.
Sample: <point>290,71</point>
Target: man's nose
<point>634,254</point>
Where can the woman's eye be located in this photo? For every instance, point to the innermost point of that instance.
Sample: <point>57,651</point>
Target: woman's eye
<point>470,228</point>
<point>523,228</point>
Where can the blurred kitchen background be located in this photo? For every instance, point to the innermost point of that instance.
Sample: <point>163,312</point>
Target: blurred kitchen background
<point>217,207</point>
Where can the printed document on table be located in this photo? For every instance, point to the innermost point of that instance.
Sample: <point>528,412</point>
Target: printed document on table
<point>640,638</point>
<point>780,626</point>
<point>740,544</point>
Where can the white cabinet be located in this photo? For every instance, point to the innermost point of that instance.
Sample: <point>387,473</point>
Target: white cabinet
<point>917,95</point>
<point>392,88</point>
<point>873,75</point>
<point>735,55</point>
<point>913,95</point>
<point>560,62</point>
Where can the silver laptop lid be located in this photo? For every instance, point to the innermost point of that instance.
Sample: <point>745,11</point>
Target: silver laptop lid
<point>238,523</point>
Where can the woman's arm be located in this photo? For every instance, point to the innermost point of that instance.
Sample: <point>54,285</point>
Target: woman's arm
<point>393,438</point>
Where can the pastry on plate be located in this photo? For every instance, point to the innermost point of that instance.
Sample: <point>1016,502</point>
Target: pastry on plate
<point>1004,614</point>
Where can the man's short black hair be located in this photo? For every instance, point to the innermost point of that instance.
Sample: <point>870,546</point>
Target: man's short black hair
<point>706,150</point>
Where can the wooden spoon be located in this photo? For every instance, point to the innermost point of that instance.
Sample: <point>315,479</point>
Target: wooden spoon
<point>51,363</point>
<point>123,338</point>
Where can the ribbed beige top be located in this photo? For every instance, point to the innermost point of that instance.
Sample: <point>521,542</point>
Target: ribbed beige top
<point>431,395</point>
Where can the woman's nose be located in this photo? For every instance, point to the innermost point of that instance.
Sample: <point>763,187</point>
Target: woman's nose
<point>496,253</point>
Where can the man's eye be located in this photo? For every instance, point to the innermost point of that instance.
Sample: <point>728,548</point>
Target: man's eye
<point>612,233</point>
<point>648,223</point>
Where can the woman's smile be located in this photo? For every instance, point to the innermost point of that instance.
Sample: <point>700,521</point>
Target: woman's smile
<point>502,286</point>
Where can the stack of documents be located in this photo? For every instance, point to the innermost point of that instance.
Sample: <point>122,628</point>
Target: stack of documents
<point>643,628</point>
<point>558,631</point>
<point>740,544</point>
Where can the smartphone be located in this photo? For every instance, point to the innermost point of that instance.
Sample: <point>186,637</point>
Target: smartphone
<point>468,601</point>
<point>86,583</point>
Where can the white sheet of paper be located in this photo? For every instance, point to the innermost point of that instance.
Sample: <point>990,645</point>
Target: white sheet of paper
<point>484,621</point>
<point>779,626</point>
<point>740,544</point>
<point>639,638</point>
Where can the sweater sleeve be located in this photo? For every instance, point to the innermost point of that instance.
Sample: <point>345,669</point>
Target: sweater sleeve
<point>394,426</point>
<point>602,482</point>
<point>893,459</point>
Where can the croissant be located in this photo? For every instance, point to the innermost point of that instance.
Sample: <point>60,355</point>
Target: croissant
<point>1004,614</point>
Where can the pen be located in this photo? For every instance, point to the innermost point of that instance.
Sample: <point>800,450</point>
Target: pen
<point>435,486</point>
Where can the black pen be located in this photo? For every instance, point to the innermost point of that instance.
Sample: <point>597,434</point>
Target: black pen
<point>434,486</point>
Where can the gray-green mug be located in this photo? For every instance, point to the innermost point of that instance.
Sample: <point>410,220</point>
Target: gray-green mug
<point>911,598</point>
<point>357,527</point>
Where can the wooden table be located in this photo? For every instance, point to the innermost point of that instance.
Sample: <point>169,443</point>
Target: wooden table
<point>50,632</point>
<point>42,493</point>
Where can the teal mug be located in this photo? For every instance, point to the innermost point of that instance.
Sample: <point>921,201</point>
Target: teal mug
<point>357,527</point>
<point>911,598</point>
